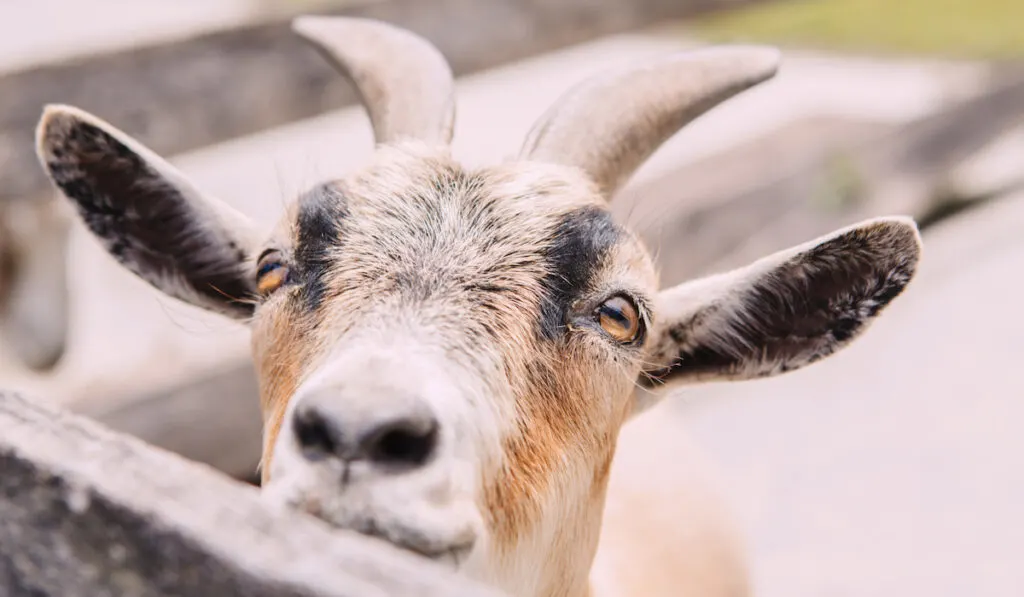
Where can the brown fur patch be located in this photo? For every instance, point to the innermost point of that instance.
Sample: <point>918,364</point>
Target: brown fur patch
<point>280,354</point>
<point>561,420</point>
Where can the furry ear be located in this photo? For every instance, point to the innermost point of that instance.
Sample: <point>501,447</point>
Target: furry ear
<point>147,215</point>
<point>783,312</point>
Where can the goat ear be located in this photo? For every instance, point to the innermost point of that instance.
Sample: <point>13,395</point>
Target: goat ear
<point>147,215</point>
<point>782,312</point>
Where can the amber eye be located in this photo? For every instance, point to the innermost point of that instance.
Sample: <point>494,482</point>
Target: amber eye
<point>620,319</point>
<point>271,273</point>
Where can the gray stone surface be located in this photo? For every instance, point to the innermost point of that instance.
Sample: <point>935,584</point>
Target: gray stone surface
<point>213,419</point>
<point>895,467</point>
<point>42,31</point>
<point>88,513</point>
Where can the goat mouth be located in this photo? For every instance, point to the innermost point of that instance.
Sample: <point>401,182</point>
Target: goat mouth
<point>453,551</point>
<point>446,528</point>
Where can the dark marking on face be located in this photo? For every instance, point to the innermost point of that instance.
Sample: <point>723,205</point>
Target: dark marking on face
<point>578,249</point>
<point>322,211</point>
<point>145,222</point>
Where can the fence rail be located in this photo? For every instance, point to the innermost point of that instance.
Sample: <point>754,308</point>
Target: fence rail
<point>87,512</point>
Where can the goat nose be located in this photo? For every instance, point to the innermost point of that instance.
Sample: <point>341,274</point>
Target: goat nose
<point>396,441</point>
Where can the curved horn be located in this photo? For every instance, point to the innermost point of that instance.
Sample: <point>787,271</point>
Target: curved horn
<point>403,81</point>
<point>609,125</point>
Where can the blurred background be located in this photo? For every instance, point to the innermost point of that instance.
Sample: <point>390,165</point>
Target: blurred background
<point>894,468</point>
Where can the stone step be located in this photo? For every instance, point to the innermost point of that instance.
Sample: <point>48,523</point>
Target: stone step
<point>88,512</point>
<point>44,31</point>
<point>894,467</point>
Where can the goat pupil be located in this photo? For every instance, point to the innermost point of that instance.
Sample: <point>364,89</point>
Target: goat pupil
<point>615,314</point>
<point>267,268</point>
<point>618,317</point>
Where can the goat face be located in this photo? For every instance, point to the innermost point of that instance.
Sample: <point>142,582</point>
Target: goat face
<point>470,338</point>
<point>446,355</point>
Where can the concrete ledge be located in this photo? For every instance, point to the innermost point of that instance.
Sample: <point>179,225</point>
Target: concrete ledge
<point>87,512</point>
<point>894,467</point>
<point>214,419</point>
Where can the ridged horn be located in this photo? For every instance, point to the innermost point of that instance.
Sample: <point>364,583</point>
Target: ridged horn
<point>404,82</point>
<point>610,124</point>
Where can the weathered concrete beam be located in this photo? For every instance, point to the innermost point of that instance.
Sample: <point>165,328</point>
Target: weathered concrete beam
<point>214,419</point>
<point>183,95</point>
<point>85,512</point>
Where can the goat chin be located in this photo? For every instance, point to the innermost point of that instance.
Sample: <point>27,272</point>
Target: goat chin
<point>446,530</point>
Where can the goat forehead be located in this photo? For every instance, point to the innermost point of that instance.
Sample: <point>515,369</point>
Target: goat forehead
<point>417,226</point>
<point>422,202</point>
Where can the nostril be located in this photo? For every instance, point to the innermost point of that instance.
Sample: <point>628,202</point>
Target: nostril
<point>314,434</point>
<point>404,443</point>
<point>390,443</point>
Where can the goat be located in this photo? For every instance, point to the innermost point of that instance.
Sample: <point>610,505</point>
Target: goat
<point>446,356</point>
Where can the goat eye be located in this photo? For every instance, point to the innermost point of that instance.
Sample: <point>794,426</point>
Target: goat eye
<point>620,319</point>
<point>271,273</point>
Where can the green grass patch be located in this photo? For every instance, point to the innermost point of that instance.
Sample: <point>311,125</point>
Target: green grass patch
<point>988,29</point>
